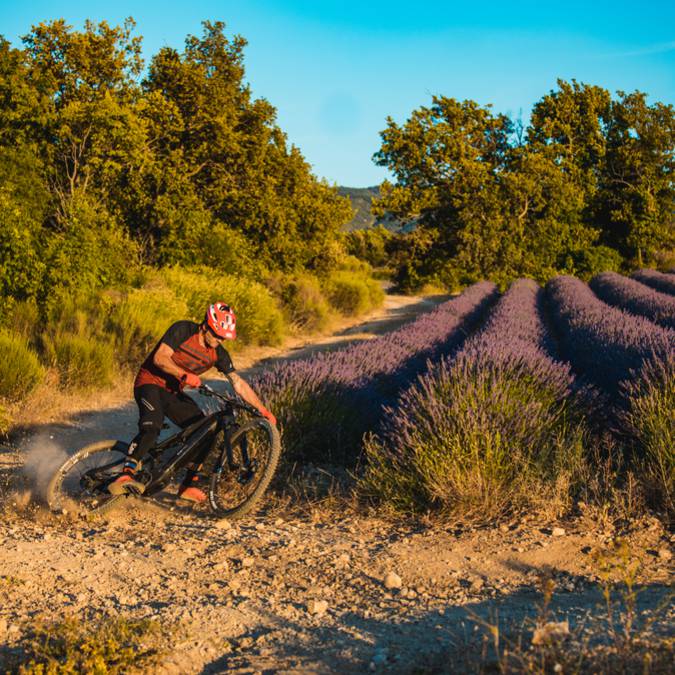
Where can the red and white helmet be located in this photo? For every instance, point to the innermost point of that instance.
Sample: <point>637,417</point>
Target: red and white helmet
<point>221,320</point>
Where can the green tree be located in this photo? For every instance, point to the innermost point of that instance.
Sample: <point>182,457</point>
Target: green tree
<point>374,245</point>
<point>637,196</point>
<point>90,135</point>
<point>568,126</point>
<point>24,202</point>
<point>588,182</point>
<point>204,124</point>
<point>484,205</point>
<point>446,159</point>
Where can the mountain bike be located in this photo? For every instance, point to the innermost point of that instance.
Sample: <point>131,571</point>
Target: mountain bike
<point>239,448</point>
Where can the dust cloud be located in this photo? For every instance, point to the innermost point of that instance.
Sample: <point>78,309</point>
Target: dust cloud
<point>43,457</point>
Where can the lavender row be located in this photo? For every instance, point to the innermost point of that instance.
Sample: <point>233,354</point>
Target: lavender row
<point>635,297</point>
<point>484,426</point>
<point>326,403</point>
<point>604,343</point>
<point>660,281</point>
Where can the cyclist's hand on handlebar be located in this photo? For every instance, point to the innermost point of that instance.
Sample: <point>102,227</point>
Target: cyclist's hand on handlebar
<point>268,416</point>
<point>191,380</point>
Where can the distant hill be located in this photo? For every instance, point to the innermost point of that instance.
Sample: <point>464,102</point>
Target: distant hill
<point>361,199</point>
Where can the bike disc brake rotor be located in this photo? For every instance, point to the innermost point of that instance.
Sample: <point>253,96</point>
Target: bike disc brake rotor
<point>243,468</point>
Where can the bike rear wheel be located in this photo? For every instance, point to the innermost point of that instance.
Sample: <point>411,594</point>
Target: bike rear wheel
<point>237,486</point>
<point>81,482</point>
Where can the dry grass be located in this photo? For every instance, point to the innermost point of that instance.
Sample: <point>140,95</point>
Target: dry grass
<point>108,645</point>
<point>615,640</point>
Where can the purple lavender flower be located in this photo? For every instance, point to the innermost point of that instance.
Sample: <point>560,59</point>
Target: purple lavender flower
<point>660,281</point>
<point>492,426</point>
<point>649,422</point>
<point>328,401</point>
<point>603,343</point>
<point>635,297</point>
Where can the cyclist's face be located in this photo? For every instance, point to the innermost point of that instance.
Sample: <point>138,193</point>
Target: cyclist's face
<point>211,339</point>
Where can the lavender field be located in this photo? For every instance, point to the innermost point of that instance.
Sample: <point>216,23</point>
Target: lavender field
<point>496,423</point>
<point>489,402</point>
<point>657,280</point>
<point>633,296</point>
<point>327,402</point>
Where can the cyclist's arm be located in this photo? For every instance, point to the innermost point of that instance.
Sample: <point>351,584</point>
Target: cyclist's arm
<point>163,360</point>
<point>243,388</point>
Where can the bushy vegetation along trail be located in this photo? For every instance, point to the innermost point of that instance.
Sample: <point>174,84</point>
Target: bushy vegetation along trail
<point>72,421</point>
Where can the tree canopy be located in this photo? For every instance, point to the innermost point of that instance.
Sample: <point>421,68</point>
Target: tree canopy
<point>586,186</point>
<point>105,162</point>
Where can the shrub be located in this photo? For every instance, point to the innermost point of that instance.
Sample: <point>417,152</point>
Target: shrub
<point>352,293</point>
<point>492,429</point>
<point>107,646</point>
<point>259,319</point>
<point>371,244</point>
<point>302,299</point>
<point>327,402</point>
<point>635,297</point>
<point>24,202</point>
<point>140,319</point>
<point>650,421</point>
<point>20,369</point>
<point>5,419</point>
<point>82,361</point>
<point>592,260</point>
<point>19,318</point>
<point>661,281</point>
<point>90,250</point>
<point>191,236</point>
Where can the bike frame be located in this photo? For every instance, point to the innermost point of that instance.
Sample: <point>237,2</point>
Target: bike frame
<point>192,438</point>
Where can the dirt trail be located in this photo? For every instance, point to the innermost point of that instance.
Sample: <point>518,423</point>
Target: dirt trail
<point>249,597</point>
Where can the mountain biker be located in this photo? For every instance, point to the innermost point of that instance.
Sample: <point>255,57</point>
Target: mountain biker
<point>186,350</point>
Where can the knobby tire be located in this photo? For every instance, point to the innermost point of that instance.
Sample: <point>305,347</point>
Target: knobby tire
<point>57,498</point>
<point>217,503</point>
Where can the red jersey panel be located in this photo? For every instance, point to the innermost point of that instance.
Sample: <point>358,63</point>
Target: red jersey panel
<point>188,354</point>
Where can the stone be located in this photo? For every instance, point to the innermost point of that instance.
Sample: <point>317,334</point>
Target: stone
<point>392,580</point>
<point>477,584</point>
<point>245,642</point>
<point>665,554</point>
<point>550,632</point>
<point>223,524</point>
<point>317,607</point>
<point>558,532</point>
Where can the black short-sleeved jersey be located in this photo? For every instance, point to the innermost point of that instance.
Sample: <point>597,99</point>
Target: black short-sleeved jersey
<point>188,354</point>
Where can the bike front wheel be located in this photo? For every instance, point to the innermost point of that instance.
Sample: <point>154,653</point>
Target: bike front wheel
<point>81,482</point>
<point>247,468</point>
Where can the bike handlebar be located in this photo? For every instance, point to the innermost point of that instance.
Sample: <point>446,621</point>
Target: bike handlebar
<point>235,400</point>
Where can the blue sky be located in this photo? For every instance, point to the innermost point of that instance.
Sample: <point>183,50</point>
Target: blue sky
<point>335,70</point>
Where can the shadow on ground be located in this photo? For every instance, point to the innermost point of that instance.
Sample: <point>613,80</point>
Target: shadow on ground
<point>448,640</point>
